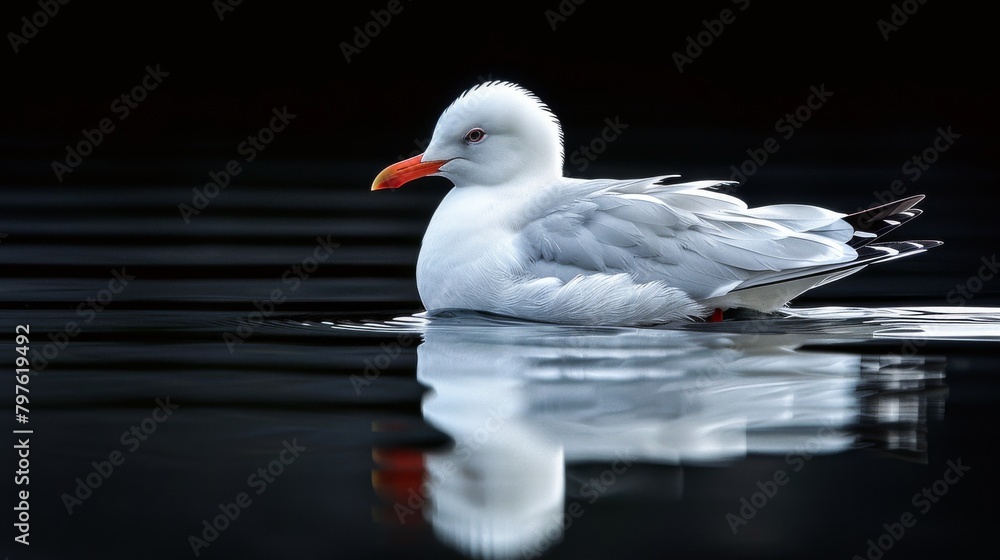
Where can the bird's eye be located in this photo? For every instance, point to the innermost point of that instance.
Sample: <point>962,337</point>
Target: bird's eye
<point>475,135</point>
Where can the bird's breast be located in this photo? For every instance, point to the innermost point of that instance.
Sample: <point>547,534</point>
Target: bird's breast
<point>467,255</point>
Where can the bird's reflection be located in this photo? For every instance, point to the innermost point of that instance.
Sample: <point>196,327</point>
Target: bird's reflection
<point>524,403</point>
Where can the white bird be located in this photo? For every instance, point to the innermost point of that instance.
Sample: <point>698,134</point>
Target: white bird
<point>515,237</point>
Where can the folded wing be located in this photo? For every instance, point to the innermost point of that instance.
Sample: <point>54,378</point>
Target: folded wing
<point>690,235</point>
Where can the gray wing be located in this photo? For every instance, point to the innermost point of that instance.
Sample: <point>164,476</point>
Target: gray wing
<point>688,234</point>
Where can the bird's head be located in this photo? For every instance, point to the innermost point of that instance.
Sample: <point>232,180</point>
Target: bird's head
<point>494,133</point>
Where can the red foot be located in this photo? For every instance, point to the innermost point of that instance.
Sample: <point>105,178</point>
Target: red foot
<point>716,316</point>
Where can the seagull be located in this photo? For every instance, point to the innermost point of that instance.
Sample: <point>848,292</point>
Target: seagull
<point>515,237</point>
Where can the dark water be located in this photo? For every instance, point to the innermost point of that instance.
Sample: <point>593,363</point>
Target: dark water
<point>257,379</point>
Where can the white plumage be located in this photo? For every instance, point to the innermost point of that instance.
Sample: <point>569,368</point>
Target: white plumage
<point>515,237</point>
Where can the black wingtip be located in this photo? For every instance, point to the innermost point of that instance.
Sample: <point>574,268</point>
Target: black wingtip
<point>875,222</point>
<point>864,219</point>
<point>724,187</point>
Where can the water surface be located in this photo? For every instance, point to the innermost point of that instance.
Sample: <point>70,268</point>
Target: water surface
<point>281,330</point>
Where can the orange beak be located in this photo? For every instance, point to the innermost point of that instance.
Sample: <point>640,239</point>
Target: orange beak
<point>398,174</point>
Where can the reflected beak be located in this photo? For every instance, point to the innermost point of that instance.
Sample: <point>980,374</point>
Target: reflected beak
<point>398,174</point>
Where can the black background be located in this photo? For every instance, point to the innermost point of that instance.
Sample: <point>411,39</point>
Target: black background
<point>605,59</point>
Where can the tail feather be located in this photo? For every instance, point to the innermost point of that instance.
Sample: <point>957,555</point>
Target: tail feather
<point>771,290</point>
<point>877,221</point>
